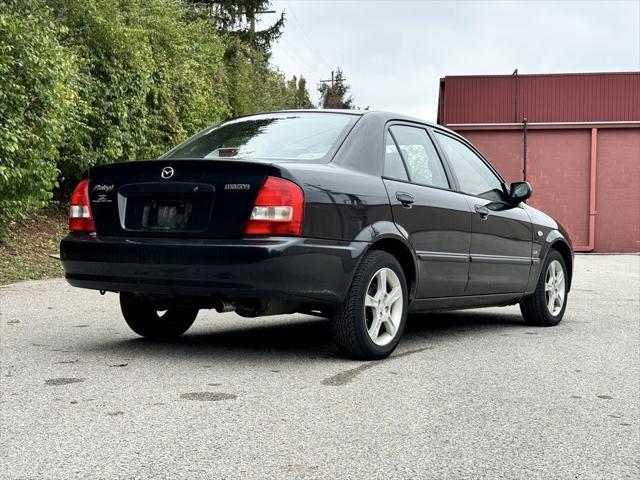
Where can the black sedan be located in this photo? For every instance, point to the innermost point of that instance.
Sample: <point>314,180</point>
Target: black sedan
<point>362,217</point>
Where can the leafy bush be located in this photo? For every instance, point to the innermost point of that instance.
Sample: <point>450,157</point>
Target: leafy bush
<point>36,94</point>
<point>88,82</point>
<point>148,79</point>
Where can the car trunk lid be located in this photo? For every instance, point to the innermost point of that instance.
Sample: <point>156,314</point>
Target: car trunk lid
<point>192,198</point>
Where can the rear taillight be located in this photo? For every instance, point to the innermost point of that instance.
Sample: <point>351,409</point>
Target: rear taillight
<point>277,210</point>
<point>80,219</point>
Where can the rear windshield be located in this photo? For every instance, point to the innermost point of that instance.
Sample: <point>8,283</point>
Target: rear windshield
<point>283,136</point>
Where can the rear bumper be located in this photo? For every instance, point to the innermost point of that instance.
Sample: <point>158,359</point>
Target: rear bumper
<point>293,269</point>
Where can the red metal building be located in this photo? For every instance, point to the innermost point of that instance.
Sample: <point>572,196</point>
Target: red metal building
<point>579,146</point>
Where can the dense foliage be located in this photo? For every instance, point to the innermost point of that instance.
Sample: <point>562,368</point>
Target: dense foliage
<point>86,82</point>
<point>37,79</point>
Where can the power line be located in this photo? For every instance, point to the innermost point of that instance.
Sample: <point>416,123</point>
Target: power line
<point>304,37</point>
<point>299,59</point>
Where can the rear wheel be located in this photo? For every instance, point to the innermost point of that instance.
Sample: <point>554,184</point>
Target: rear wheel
<point>369,323</point>
<point>147,321</point>
<point>547,304</point>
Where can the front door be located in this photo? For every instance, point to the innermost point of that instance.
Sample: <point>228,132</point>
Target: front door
<point>501,235</point>
<point>500,248</point>
<point>435,219</point>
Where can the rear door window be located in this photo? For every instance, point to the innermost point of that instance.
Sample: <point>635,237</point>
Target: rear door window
<point>393,164</point>
<point>420,156</point>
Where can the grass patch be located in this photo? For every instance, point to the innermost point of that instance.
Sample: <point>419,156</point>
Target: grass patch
<point>25,247</point>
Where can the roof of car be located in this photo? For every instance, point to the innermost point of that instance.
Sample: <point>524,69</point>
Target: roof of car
<point>382,113</point>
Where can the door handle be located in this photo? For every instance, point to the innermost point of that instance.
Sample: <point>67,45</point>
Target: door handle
<point>482,211</point>
<point>406,199</point>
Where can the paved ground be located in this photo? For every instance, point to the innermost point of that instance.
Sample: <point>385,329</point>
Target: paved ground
<point>473,394</point>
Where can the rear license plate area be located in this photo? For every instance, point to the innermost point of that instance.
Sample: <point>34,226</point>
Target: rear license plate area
<point>166,214</point>
<point>168,211</point>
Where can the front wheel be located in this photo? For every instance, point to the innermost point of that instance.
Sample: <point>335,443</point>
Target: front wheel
<point>144,319</point>
<point>369,323</point>
<point>547,304</point>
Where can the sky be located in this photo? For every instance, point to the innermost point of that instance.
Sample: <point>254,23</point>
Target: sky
<point>393,53</point>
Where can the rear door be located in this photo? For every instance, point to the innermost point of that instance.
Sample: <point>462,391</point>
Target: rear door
<point>501,235</point>
<point>435,219</point>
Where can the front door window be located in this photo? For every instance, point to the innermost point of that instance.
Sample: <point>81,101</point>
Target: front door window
<point>474,176</point>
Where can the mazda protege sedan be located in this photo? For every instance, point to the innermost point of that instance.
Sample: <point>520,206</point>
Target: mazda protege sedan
<point>362,217</point>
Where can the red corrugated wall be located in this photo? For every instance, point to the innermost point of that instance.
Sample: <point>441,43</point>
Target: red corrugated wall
<point>589,97</point>
<point>618,191</point>
<point>503,148</point>
<point>559,156</point>
<point>558,168</point>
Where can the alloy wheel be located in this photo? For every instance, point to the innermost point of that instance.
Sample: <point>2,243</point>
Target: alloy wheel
<point>383,306</point>
<point>554,287</point>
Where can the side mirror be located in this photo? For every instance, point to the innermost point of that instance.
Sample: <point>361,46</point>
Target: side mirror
<point>519,192</point>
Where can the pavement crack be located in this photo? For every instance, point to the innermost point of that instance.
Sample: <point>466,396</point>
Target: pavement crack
<point>345,377</point>
<point>75,360</point>
<point>208,396</point>
<point>62,381</point>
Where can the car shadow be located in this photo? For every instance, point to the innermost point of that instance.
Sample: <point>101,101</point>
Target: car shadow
<point>284,338</point>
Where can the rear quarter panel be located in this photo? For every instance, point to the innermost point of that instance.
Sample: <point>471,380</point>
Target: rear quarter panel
<point>340,203</point>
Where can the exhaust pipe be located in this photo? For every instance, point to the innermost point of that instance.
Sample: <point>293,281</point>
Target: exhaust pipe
<point>263,308</point>
<point>222,306</point>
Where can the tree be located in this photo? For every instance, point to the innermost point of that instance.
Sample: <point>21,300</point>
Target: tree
<point>299,93</point>
<point>239,17</point>
<point>335,92</point>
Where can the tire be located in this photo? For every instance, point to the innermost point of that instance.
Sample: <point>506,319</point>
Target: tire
<point>352,320</point>
<point>142,317</point>
<point>537,309</point>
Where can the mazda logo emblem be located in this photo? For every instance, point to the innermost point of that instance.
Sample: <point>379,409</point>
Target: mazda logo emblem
<point>167,172</point>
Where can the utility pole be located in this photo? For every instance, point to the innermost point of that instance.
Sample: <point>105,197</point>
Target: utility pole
<point>251,17</point>
<point>329,81</point>
<point>334,90</point>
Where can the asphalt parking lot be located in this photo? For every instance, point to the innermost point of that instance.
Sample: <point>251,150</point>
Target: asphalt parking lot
<point>474,394</point>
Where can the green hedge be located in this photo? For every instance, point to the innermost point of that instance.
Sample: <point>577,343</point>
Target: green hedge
<point>87,82</point>
<point>37,90</point>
